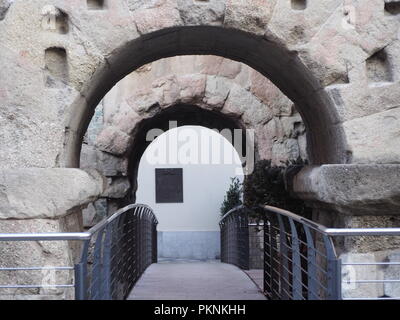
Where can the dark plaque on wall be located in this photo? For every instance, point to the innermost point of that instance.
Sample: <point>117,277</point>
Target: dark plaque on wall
<point>169,185</point>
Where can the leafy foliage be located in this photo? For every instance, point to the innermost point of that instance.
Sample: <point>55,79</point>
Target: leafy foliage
<point>233,196</point>
<point>267,186</point>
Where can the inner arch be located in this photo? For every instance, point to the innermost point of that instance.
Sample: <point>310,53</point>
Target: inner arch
<point>184,115</point>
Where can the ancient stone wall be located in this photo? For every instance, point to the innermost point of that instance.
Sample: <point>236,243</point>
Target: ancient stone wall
<point>338,61</point>
<point>350,49</point>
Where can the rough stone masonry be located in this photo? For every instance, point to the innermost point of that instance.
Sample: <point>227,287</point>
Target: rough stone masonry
<point>337,61</point>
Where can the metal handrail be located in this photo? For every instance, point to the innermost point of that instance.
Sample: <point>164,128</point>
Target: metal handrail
<point>231,212</point>
<point>325,230</point>
<point>301,262</point>
<point>51,236</point>
<point>235,238</point>
<point>68,236</point>
<point>300,258</point>
<point>130,240</point>
<point>103,228</point>
<point>336,231</point>
<point>118,213</point>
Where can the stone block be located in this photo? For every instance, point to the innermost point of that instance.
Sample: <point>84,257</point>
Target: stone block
<point>117,188</point>
<point>351,189</point>
<point>46,193</point>
<point>106,163</point>
<point>392,272</point>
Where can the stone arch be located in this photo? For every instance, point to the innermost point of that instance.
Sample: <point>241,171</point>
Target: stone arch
<point>218,93</point>
<point>122,170</point>
<point>183,115</point>
<point>282,67</point>
<point>208,91</point>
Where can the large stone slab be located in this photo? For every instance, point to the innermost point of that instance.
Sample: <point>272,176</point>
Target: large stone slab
<point>46,193</point>
<point>392,273</point>
<point>351,189</point>
<point>352,273</point>
<point>39,254</point>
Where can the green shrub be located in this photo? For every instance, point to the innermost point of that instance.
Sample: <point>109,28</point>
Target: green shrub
<point>266,186</point>
<point>233,196</point>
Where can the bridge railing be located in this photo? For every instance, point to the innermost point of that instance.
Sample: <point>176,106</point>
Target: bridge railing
<point>235,237</point>
<point>301,261</point>
<point>114,254</point>
<point>300,258</point>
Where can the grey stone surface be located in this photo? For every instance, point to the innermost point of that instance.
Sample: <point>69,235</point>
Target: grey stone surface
<point>327,45</point>
<point>392,272</point>
<point>384,278</point>
<point>46,193</point>
<point>351,189</point>
<point>319,57</point>
<point>361,272</point>
<point>95,212</point>
<point>201,12</point>
<point>108,164</point>
<point>116,188</point>
<point>39,253</point>
<point>191,280</point>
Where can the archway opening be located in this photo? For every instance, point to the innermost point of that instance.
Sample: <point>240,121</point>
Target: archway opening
<point>281,66</point>
<point>184,175</point>
<point>183,115</point>
<point>221,94</point>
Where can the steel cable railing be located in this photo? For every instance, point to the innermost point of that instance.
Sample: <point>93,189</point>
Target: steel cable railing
<point>235,238</point>
<point>301,262</point>
<point>114,254</point>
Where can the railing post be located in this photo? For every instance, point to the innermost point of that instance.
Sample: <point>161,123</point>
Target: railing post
<point>274,258</point>
<point>80,274</point>
<point>244,241</point>
<point>333,270</point>
<point>297,283</point>
<point>284,274</point>
<point>334,279</point>
<point>267,258</point>
<point>155,243</point>
<point>234,238</point>
<point>106,294</point>
<point>311,265</point>
<point>80,281</point>
<point>338,294</point>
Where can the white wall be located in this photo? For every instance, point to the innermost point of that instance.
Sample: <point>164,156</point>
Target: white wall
<point>204,186</point>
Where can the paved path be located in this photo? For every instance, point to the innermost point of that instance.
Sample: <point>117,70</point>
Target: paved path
<point>194,280</point>
<point>257,276</point>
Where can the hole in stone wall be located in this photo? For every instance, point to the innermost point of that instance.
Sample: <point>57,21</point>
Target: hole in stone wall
<point>54,20</point>
<point>299,4</point>
<point>62,22</point>
<point>378,67</point>
<point>4,6</point>
<point>95,4</point>
<point>56,67</point>
<point>392,7</point>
